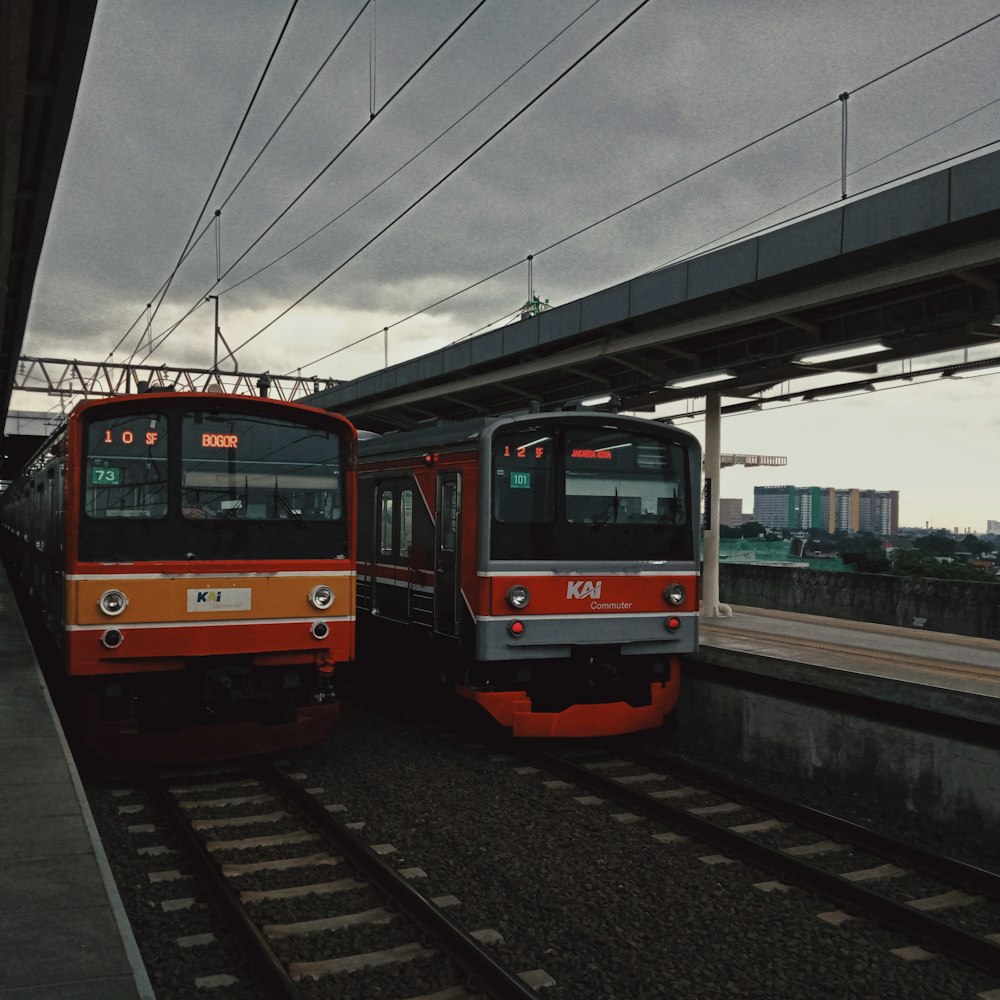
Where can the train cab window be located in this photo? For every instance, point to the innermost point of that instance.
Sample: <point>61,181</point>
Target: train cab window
<point>617,478</point>
<point>524,477</point>
<point>125,473</point>
<point>385,516</point>
<point>448,516</point>
<point>405,522</point>
<point>258,469</point>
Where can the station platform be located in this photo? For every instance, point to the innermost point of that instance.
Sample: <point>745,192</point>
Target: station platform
<point>64,934</point>
<point>946,674</point>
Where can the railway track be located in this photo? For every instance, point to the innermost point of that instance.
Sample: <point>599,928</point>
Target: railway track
<point>288,898</point>
<point>941,904</point>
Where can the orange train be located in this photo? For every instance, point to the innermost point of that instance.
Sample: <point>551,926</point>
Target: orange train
<point>546,564</point>
<point>192,555</point>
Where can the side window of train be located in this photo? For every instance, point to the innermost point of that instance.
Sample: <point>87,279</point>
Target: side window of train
<point>405,522</point>
<point>385,523</point>
<point>448,515</point>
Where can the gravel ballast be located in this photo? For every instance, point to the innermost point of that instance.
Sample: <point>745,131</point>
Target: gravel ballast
<point>601,906</point>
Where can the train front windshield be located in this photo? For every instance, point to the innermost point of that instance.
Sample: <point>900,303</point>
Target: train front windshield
<point>261,470</point>
<point>212,484</point>
<point>589,493</point>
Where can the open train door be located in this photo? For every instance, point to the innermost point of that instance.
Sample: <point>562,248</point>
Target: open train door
<point>446,554</point>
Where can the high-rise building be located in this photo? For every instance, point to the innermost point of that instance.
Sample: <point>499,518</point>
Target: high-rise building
<point>774,506</point>
<point>993,527</point>
<point>731,512</point>
<point>827,508</point>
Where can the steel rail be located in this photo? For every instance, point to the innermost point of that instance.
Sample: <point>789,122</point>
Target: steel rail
<point>255,946</point>
<point>927,930</point>
<point>939,866</point>
<point>485,974</point>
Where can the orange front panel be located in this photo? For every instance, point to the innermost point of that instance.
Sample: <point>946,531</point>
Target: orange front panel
<point>198,599</point>
<point>592,594</point>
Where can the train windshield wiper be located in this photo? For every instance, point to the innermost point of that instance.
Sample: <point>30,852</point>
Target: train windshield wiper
<point>285,505</point>
<point>609,512</point>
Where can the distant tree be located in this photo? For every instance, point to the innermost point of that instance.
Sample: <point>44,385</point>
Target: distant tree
<point>913,562</point>
<point>864,552</point>
<point>975,546</point>
<point>940,543</point>
<point>752,529</point>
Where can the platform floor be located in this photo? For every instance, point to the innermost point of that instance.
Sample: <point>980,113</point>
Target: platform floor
<point>63,931</point>
<point>951,674</point>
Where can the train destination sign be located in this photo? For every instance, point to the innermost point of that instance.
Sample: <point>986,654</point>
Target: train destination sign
<point>220,440</point>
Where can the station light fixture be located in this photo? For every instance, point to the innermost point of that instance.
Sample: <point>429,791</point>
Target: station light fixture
<point>970,372</point>
<point>840,353</point>
<point>857,390</point>
<point>705,378</point>
<point>597,400</point>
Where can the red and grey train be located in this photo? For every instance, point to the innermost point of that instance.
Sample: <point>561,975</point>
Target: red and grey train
<point>193,557</point>
<point>549,560</point>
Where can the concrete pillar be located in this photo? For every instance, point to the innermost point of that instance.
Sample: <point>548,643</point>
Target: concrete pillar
<point>710,605</point>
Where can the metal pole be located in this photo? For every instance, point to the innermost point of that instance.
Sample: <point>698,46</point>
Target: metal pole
<point>215,339</point>
<point>710,605</point>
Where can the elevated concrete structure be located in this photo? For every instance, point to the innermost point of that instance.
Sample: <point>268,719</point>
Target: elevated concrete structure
<point>43,44</point>
<point>916,266</point>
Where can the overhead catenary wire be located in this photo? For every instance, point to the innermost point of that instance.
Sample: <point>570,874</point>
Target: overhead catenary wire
<point>620,211</point>
<point>225,161</point>
<point>718,242</point>
<point>298,100</point>
<point>416,155</point>
<point>702,169</point>
<point>451,172</point>
<point>345,147</point>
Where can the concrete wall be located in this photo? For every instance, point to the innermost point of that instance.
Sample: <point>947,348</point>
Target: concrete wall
<point>930,774</point>
<point>915,602</point>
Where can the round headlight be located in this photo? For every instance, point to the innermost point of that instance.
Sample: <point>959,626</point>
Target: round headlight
<point>518,597</point>
<point>319,630</point>
<point>321,597</point>
<point>675,594</point>
<point>112,602</point>
<point>112,638</point>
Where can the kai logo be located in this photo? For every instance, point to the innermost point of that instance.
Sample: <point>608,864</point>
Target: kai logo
<point>579,589</point>
<point>214,601</point>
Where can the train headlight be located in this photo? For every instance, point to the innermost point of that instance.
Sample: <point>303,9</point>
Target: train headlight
<point>111,638</point>
<point>112,602</point>
<point>518,597</point>
<point>321,597</point>
<point>319,630</point>
<point>675,594</point>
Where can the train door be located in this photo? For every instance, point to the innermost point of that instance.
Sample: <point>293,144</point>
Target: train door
<point>391,583</point>
<point>446,549</point>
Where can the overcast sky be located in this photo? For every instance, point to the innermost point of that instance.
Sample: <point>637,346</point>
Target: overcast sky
<point>682,83</point>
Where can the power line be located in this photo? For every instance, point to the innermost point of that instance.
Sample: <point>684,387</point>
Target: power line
<point>687,255</point>
<point>450,173</point>
<point>718,244</point>
<point>341,152</point>
<point>612,215</point>
<point>296,102</point>
<point>232,145</point>
<point>415,156</point>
